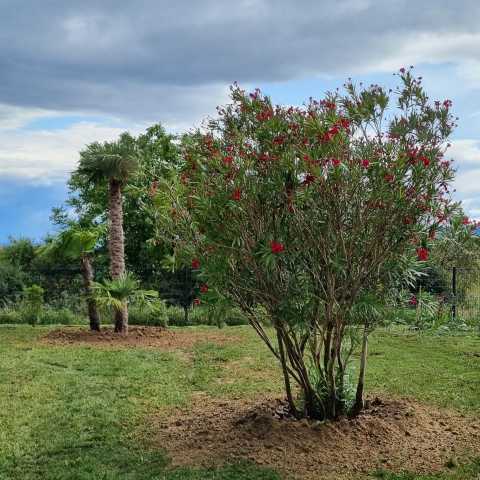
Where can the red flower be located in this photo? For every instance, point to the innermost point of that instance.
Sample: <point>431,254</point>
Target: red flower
<point>309,178</point>
<point>204,288</point>
<point>334,130</point>
<point>345,123</point>
<point>413,300</point>
<point>228,160</point>
<point>196,301</point>
<point>465,221</point>
<point>425,160</point>
<point>237,194</point>
<point>365,163</point>
<point>422,254</point>
<point>276,247</point>
<point>326,137</point>
<point>328,105</point>
<point>389,177</point>
<point>336,162</point>
<point>153,188</point>
<point>195,263</point>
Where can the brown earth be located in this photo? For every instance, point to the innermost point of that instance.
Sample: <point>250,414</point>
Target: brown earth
<point>395,435</point>
<point>138,336</point>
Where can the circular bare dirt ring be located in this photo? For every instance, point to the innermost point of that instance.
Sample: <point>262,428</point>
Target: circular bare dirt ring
<point>396,435</point>
<point>158,337</point>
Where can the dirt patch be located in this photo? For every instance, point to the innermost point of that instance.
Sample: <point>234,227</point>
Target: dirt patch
<point>395,435</point>
<point>137,337</point>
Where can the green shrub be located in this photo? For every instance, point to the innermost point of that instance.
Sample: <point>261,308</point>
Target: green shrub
<point>9,315</point>
<point>176,317</point>
<point>32,304</point>
<point>154,314</point>
<point>63,316</point>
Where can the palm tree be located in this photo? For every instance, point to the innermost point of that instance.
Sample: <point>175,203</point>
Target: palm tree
<point>115,294</point>
<point>115,163</point>
<point>79,243</point>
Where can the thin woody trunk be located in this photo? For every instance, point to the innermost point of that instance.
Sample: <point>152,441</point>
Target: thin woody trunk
<point>87,274</point>
<point>117,248</point>
<point>359,404</point>
<point>288,388</point>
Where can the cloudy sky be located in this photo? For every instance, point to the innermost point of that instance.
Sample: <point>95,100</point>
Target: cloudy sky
<point>72,72</point>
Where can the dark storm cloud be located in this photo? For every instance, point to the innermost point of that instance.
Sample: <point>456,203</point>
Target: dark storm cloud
<point>137,57</point>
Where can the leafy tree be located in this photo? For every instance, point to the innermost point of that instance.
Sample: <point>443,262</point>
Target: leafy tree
<point>157,152</point>
<point>115,163</point>
<point>12,281</point>
<point>308,213</point>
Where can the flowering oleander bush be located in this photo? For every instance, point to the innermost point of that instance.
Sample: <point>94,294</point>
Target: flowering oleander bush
<point>312,213</point>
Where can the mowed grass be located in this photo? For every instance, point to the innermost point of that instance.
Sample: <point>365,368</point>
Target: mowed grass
<point>79,412</point>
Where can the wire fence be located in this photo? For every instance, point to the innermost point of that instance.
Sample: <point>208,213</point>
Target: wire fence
<point>464,295</point>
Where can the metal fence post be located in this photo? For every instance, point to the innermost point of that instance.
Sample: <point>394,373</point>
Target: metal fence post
<point>454,293</point>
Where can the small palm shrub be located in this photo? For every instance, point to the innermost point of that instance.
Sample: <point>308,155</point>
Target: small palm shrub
<point>115,296</point>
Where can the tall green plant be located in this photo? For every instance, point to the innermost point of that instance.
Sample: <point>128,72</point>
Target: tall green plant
<point>305,211</point>
<point>78,243</point>
<point>33,303</point>
<point>114,163</point>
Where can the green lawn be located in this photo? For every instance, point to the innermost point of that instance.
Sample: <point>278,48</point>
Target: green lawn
<point>78,412</point>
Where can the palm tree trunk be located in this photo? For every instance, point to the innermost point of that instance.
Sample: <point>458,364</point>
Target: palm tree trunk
<point>87,274</point>
<point>117,248</point>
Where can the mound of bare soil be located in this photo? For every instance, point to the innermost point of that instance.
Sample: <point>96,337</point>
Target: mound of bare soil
<point>137,337</point>
<point>396,435</point>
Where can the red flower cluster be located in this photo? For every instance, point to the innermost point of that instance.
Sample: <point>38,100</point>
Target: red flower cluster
<point>466,221</point>
<point>204,288</point>
<point>195,264</point>
<point>237,195</point>
<point>336,162</point>
<point>196,301</point>
<point>328,105</point>
<point>335,129</point>
<point>365,163</point>
<point>422,254</point>
<point>228,160</point>
<point>413,300</point>
<point>264,115</point>
<point>309,179</point>
<point>153,188</point>
<point>276,247</point>
<point>425,160</point>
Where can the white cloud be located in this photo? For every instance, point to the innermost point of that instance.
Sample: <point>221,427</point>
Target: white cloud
<point>466,153</point>
<point>48,156</point>
<point>13,117</point>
